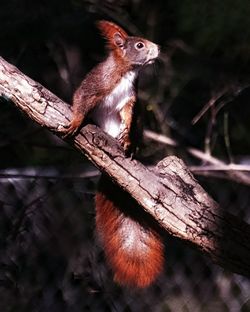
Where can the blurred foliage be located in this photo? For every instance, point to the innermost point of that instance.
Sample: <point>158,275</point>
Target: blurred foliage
<point>217,27</point>
<point>49,260</point>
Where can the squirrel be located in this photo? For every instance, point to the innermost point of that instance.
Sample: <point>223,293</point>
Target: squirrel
<point>132,245</point>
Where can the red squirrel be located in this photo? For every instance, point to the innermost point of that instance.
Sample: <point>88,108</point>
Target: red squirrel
<point>107,95</point>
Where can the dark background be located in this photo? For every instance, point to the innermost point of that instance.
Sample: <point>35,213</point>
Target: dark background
<point>50,259</point>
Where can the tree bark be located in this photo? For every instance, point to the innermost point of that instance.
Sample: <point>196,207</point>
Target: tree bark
<point>168,192</point>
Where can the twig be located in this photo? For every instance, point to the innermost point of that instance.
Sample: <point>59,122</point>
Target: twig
<point>235,175</point>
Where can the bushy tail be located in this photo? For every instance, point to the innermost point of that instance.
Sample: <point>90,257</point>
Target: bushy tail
<point>132,246</point>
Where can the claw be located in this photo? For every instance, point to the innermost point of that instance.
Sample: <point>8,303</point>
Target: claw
<point>72,128</point>
<point>67,130</point>
<point>125,143</point>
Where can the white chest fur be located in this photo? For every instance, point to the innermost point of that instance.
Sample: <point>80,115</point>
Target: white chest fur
<point>106,115</point>
<point>121,93</point>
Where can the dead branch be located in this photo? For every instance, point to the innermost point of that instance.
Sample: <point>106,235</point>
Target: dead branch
<point>169,192</point>
<point>232,172</point>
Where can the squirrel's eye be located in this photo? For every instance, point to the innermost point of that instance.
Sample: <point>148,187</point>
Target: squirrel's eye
<point>139,45</point>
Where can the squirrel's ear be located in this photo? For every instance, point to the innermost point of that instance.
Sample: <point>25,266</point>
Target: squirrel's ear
<point>119,40</point>
<point>114,34</point>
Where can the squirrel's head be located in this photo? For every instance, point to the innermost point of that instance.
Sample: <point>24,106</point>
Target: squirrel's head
<point>134,50</point>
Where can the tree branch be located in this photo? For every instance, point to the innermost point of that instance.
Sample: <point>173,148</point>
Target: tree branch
<point>169,192</point>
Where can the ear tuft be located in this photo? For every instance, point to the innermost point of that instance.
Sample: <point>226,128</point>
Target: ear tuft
<point>114,34</point>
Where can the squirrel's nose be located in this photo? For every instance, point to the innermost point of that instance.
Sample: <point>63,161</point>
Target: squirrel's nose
<point>154,51</point>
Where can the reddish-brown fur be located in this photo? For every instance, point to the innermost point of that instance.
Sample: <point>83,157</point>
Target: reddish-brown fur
<point>138,264</point>
<point>108,30</point>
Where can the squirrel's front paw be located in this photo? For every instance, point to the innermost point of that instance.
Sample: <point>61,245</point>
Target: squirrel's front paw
<point>67,130</point>
<point>72,128</point>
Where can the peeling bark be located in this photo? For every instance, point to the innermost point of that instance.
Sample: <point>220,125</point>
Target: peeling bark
<point>168,192</point>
